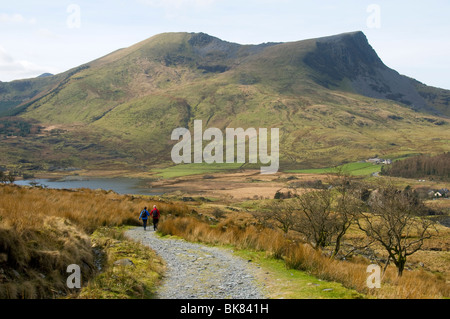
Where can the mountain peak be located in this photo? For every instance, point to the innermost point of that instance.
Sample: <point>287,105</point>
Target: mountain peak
<point>341,36</point>
<point>201,39</point>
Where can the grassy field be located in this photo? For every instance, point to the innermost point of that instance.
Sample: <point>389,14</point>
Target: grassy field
<point>355,169</point>
<point>195,169</point>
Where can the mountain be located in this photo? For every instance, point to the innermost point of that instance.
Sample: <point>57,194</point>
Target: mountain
<point>333,99</point>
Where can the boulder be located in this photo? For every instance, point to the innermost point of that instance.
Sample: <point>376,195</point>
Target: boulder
<point>124,262</point>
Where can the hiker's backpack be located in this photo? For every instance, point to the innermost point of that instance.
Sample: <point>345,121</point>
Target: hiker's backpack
<point>144,214</point>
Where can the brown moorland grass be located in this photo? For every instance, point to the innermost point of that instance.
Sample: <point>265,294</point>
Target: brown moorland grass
<point>42,231</point>
<point>416,284</point>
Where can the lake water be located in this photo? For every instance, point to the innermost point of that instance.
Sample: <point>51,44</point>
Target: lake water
<point>121,185</point>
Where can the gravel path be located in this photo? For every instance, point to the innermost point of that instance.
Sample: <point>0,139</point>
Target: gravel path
<point>197,271</point>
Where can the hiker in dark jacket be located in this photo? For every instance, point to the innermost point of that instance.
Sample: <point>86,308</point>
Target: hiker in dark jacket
<point>155,215</point>
<point>144,216</point>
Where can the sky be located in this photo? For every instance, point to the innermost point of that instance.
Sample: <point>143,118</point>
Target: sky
<point>411,37</point>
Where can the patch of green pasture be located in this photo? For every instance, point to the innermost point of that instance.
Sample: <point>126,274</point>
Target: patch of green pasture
<point>195,169</point>
<point>356,169</point>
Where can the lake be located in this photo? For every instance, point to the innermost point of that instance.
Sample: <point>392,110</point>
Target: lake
<point>120,185</point>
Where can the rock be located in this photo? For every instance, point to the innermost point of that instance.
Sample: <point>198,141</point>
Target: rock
<point>327,289</point>
<point>124,262</point>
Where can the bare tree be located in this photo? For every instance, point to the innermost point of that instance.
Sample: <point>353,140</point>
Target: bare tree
<point>316,219</point>
<point>397,223</point>
<point>324,215</point>
<point>263,218</point>
<point>278,212</point>
<point>349,204</point>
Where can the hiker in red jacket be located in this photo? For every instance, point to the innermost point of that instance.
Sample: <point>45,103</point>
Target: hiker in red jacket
<point>155,215</point>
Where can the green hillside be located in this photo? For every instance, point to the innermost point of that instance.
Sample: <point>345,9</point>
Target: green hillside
<point>332,98</point>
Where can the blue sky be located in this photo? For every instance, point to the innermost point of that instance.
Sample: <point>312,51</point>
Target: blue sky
<point>411,37</point>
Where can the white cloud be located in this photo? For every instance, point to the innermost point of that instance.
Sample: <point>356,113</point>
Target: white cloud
<point>11,69</point>
<point>15,19</point>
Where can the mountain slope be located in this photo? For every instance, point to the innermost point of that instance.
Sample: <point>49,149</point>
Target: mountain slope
<point>332,98</point>
<point>15,93</point>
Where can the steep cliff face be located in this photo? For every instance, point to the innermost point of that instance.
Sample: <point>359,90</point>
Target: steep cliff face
<point>349,60</point>
<point>343,56</point>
